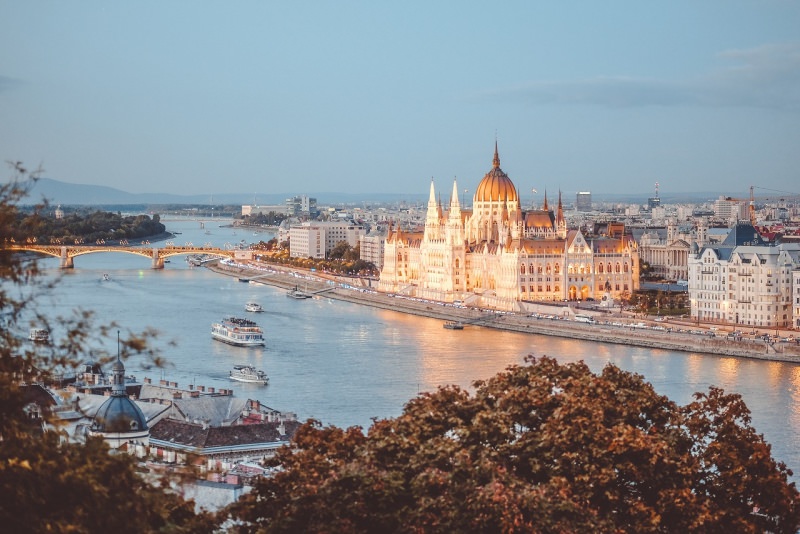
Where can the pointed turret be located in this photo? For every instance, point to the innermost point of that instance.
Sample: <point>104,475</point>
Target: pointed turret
<point>496,161</point>
<point>545,207</point>
<point>454,196</point>
<point>560,212</point>
<point>433,217</point>
<point>561,222</point>
<point>118,374</point>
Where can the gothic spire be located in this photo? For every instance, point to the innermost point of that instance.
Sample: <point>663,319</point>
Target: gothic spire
<point>496,161</point>
<point>454,195</point>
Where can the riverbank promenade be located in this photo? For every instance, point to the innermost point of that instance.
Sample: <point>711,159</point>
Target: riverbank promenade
<point>680,336</point>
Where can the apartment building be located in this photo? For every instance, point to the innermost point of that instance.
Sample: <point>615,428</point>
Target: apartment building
<point>745,280</point>
<point>315,239</point>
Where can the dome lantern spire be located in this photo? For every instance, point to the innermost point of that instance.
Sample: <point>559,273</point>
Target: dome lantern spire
<point>496,160</point>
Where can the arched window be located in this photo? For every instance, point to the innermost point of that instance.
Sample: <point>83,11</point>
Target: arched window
<point>625,267</point>
<point>522,269</point>
<point>617,266</point>
<point>600,268</point>
<point>557,268</point>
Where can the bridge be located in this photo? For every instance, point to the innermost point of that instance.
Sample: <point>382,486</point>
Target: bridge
<point>67,253</point>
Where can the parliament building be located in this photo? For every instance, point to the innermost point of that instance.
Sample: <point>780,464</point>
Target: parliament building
<point>498,256</point>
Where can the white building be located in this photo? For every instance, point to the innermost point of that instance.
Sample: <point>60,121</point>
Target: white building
<point>315,239</point>
<point>371,248</point>
<point>302,206</point>
<point>745,280</point>
<point>667,257</point>
<point>796,299</point>
<point>731,209</point>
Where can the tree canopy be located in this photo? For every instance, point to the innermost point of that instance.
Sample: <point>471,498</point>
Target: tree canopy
<point>542,447</point>
<point>43,228</point>
<point>47,483</point>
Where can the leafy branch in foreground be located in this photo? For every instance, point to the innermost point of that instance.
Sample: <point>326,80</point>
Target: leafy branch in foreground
<point>542,447</point>
<point>47,483</point>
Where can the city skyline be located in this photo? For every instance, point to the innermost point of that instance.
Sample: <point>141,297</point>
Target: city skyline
<point>356,97</point>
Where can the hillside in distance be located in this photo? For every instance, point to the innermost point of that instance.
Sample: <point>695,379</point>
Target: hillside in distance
<point>67,194</point>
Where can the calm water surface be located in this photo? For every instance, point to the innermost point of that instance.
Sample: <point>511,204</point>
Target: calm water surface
<point>345,364</point>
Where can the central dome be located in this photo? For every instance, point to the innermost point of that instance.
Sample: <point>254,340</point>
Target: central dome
<point>496,186</point>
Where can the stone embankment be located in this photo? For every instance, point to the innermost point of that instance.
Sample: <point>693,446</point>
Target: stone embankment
<point>625,334</point>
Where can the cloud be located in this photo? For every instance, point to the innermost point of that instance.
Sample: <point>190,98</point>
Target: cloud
<point>764,77</point>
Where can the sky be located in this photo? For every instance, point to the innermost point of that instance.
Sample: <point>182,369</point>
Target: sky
<point>381,97</point>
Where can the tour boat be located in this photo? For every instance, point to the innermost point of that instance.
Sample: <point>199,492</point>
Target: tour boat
<point>238,332</point>
<point>248,373</point>
<point>39,335</point>
<point>253,307</point>
<point>106,278</point>
<point>454,325</point>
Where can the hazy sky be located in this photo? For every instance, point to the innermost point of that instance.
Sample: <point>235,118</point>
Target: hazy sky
<point>307,97</point>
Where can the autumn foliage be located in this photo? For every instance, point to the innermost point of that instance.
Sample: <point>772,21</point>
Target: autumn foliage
<point>542,447</point>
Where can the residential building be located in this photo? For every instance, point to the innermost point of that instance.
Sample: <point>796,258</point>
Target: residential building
<point>746,280</point>
<point>731,210</point>
<point>302,206</point>
<point>315,239</point>
<point>371,248</point>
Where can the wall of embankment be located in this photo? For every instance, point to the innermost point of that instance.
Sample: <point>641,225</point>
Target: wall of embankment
<point>624,335</point>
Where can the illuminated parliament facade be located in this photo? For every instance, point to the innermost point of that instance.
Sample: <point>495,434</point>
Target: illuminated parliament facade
<point>498,256</point>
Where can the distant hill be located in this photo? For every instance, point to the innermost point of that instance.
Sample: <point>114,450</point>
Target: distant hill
<point>67,194</point>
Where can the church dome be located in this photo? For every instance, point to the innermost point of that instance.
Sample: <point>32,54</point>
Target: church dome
<point>119,414</point>
<point>496,186</point>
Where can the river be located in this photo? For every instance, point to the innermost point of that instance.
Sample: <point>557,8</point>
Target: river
<point>345,364</point>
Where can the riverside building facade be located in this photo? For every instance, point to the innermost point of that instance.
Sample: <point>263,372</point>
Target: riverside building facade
<point>745,281</point>
<point>316,239</point>
<point>496,255</point>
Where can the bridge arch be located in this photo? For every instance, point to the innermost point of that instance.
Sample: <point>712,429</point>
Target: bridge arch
<point>67,253</point>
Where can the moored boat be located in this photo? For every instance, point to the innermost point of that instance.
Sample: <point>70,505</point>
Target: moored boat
<point>296,293</point>
<point>454,325</point>
<point>249,374</point>
<point>39,335</point>
<point>238,332</point>
<point>253,307</point>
